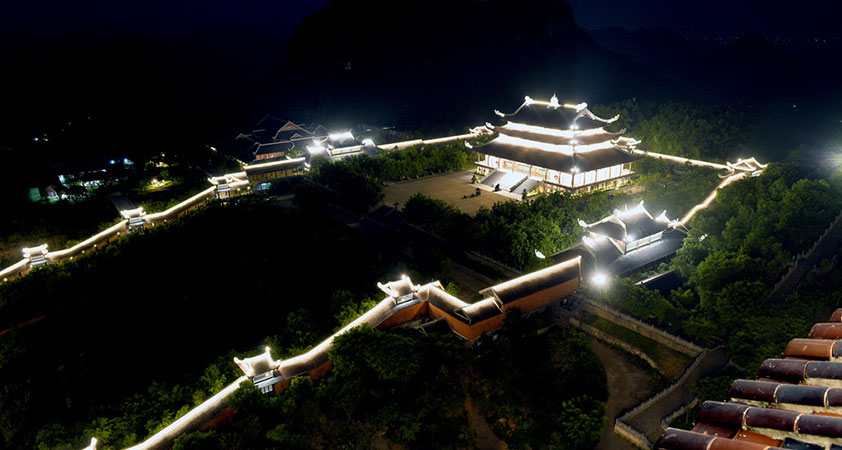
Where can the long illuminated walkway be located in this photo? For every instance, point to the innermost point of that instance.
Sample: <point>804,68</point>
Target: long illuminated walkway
<point>221,187</point>
<point>461,314</point>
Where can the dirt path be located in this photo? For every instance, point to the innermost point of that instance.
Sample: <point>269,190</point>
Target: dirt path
<point>486,440</point>
<point>628,385</point>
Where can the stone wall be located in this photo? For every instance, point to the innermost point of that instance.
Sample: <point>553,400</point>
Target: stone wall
<point>644,329</point>
<point>801,265</point>
<point>605,337</point>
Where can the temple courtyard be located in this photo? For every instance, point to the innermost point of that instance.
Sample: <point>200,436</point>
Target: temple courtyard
<point>449,187</point>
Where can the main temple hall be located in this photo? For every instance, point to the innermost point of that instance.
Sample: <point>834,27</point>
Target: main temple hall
<point>547,146</point>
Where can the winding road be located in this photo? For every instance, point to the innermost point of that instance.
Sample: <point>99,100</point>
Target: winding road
<point>628,385</point>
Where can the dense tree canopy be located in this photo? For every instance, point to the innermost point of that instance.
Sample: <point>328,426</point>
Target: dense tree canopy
<point>734,254</point>
<point>402,387</point>
<point>708,132</point>
<point>127,334</point>
<point>359,179</point>
<point>548,223</point>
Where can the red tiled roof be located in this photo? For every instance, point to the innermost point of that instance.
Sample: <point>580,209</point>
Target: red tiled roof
<point>795,403</point>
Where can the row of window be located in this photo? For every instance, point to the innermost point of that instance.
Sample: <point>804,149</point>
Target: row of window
<point>562,178</point>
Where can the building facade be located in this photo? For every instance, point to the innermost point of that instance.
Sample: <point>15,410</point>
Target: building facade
<point>547,146</point>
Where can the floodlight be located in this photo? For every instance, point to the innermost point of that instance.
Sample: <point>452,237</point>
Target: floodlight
<point>600,279</point>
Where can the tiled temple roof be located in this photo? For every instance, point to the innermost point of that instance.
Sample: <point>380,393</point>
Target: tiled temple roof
<point>796,403</point>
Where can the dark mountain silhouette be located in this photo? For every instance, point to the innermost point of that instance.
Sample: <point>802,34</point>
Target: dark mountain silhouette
<point>750,68</point>
<point>661,50</point>
<point>442,62</point>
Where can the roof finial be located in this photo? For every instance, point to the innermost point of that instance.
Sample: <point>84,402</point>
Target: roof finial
<point>554,102</point>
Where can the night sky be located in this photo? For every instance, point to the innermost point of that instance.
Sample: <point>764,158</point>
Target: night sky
<point>708,18</point>
<point>713,18</point>
<point>159,17</point>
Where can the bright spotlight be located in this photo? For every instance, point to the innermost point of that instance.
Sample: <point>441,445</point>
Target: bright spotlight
<point>314,149</point>
<point>600,279</point>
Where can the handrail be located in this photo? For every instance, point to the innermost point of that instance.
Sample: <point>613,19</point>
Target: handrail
<point>166,214</point>
<point>14,268</point>
<point>89,242</point>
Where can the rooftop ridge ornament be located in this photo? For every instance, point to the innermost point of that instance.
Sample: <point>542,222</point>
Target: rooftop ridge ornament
<point>247,365</point>
<point>36,255</point>
<point>554,102</point>
<point>399,288</point>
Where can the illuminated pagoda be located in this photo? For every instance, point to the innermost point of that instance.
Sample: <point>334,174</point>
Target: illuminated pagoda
<point>548,146</point>
<point>627,230</point>
<point>626,242</point>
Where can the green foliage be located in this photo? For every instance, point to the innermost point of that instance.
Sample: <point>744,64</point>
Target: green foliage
<point>408,389</point>
<point>563,398</point>
<point>359,179</point>
<point>92,383</point>
<point>548,223</point>
<point>738,249</point>
<point>393,358</point>
<point>196,441</point>
<point>582,420</point>
<point>398,385</point>
<point>347,309</point>
<point>715,386</point>
<point>355,186</point>
<point>672,187</point>
<point>675,128</point>
<point>624,295</point>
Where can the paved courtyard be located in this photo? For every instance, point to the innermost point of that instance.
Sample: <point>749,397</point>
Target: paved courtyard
<point>450,188</point>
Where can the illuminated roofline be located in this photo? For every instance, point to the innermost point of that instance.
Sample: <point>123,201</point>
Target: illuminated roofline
<point>618,216</point>
<point>341,135</point>
<point>227,178</point>
<point>247,364</point>
<point>639,208</point>
<point>284,162</point>
<point>529,276</point>
<point>38,249</point>
<point>555,132</point>
<point>129,213</point>
<point>555,148</point>
<point>689,216</point>
<point>581,108</point>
